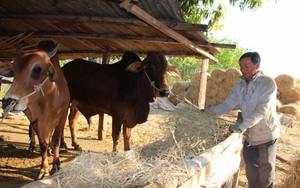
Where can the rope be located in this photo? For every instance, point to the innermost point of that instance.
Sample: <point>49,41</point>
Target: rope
<point>36,88</point>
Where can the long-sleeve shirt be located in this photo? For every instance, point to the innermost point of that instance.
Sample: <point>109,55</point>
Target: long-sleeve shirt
<point>257,100</point>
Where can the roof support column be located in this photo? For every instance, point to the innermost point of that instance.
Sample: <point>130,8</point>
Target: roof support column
<point>101,130</point>
<point>203,82</point>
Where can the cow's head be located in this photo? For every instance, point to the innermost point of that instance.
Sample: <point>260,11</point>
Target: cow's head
<point>156,68</point>
<point>32,70</point>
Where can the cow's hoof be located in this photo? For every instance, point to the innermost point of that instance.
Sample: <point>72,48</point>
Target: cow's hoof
<point>42,175</point>
<point>53,170</point>
<point>78,148</point>
<point>63,146</point>
<point>32,149</point>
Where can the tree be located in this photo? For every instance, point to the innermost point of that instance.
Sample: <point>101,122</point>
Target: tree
<point>228,58</point>
<point>188,66</point>
<point>197,11</point>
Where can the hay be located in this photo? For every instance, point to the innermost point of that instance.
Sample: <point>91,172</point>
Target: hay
<point>232,76</point>
<point>180,87</point>
<point>290,95</point>
<point>285,81</point>
<point>292,109</point>
<point>293,176</point>
<point>192,94</point>
<point>182,134</point>
<point>195,80</point>
<point>211,88</point>
<point>218,75</point>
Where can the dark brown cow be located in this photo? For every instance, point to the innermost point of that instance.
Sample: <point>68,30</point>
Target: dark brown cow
<point>123,90</point>
<point>40,90</point>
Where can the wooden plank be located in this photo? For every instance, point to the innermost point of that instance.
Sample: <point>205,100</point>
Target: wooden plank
<point>217,165</point>
<point>203,82</point>
<point>175,25</point>
<point>164,29</point>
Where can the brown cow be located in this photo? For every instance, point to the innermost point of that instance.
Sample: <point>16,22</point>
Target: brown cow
<point>48,45</point>
<point>123,90</point>
<point>40,90</point>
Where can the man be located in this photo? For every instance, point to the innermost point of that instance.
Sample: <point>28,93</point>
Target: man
<point>256,95</point>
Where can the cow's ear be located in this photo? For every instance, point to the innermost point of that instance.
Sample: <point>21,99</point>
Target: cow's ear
<point>6,69</point>
<point>53,51</point>
<point>172,71</point>
<point>52,73</point>
<point>135,67</point>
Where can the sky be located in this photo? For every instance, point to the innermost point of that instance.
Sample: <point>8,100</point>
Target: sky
<point>272,30</point>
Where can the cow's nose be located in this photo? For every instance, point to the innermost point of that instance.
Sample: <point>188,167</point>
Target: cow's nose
<point>164,93</point>
<point>7,102</point>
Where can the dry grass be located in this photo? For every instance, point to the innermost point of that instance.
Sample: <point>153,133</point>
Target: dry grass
<point>158,159</point>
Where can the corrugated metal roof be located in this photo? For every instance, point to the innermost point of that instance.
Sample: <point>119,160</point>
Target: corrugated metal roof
<point>90,28</point>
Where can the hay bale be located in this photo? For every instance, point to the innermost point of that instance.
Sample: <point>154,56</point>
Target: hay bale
<point>290,95</point>
<point>211,101</point>
<point>195,80</point>
<point>180,87</point>
<point>211,88</point>
<point>224,90</point>
<point>232,76</point>
<point>292,109</point>
<point>218,75</point>
<point>278,104</point>
<point>285,81</point>
<point>192,94</point>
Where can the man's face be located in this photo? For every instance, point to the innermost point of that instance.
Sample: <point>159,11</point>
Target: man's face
<point>248,69</point>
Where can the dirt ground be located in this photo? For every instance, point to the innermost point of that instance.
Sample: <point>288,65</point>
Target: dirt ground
<point>19,167</point>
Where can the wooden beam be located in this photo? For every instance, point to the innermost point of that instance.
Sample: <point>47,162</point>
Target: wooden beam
<point>113,36</point>
<point>164,29</point>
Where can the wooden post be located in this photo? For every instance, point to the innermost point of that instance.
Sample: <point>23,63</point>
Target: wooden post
<point>101,129</point>
<point>203,82</point>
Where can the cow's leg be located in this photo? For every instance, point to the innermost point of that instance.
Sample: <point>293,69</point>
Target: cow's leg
<point>63,143</point>
<point>31,131</point>
<point>101,132</point>
<point>32,139</point>
<point>56,144</point>
<point>73,117</point>
<point>126,135</point>
<point>116,131</point>
<point>44,171</point>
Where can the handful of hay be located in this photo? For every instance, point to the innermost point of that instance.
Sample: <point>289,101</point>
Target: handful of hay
<point>186,133</point>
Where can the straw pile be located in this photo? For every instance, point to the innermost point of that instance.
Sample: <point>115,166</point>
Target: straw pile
<point>293,174</point>
<point>158,163</point>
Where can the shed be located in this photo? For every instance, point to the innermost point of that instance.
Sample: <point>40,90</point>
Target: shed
<point>102,28</point>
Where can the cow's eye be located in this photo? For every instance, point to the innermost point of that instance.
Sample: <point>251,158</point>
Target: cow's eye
<point>36,72</point>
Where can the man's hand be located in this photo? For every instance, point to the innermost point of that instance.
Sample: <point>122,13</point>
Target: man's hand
<point>234,129</point>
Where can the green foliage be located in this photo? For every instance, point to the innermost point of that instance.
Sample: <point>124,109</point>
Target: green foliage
<point>188,66</point>
<point>228,58</point>
<point>197,11</point>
